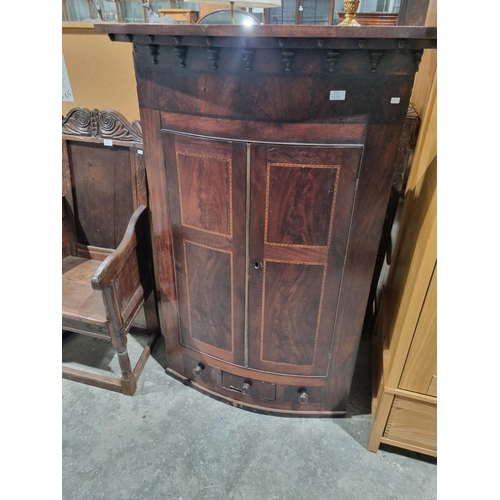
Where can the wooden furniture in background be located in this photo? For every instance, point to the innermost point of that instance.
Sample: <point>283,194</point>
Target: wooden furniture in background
<point>207,8</point>
<point>107,264</point>
<point>187,16</point>
<point>414,12</point>
<point>373,18</point>
<point>65,10</point>
<point>270,160</point>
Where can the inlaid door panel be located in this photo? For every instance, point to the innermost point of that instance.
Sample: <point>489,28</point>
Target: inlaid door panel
<point>206,182</point>
<point>300,213</point>
<point>289,316</point>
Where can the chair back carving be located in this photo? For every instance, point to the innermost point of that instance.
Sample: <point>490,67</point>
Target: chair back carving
<point>104,178</point>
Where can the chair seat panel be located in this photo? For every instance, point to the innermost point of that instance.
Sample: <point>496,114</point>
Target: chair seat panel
<point>79,301</point>
<point>79,269</point>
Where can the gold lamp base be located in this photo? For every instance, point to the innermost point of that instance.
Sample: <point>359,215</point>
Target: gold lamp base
<point>232,13</point>
<point>350,9</point>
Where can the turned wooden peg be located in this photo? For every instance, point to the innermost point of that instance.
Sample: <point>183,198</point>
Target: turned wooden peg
<point>248,57</point>
<point>361,43</point>
<point>151,38</point>
<point>417,57</point>
<point>332,58</point>
<point>129,38</point>
<point>376,57</point>
<point>213,56</point>
<point>209,40</point>
<point>177,39</point>
<point>244,42</point>
<point>401,44</point>
<point>281,42</point>
<point>321,42</point>
<point>153,50</point>
<point>181,54</point>
<point>288,58</point>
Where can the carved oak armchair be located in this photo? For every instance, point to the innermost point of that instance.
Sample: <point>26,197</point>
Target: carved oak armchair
<point>107,263</point>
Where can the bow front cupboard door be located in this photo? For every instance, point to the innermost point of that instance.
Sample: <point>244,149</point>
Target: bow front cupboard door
<point>259,239</point>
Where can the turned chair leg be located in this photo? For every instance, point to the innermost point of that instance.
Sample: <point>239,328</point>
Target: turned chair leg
<point>129,382</point>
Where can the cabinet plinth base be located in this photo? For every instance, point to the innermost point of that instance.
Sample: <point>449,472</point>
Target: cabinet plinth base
<point>263,407</point>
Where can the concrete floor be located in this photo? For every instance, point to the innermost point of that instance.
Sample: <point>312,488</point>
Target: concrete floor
<point>169,442</point>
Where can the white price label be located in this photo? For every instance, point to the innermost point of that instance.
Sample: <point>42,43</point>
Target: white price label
<point>337,95</point>
<point>108,142</point>
<point>67,93</point>
<point>395,100</point>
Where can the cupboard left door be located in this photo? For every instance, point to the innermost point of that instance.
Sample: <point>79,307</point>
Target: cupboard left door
<point>206,185</point>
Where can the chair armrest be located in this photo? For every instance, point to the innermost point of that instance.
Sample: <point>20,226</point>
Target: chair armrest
<point>110,268</point>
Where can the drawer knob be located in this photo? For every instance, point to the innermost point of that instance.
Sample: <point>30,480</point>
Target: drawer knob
<point>245,388</point>
<point>197,369</point>
<point>303,398</point>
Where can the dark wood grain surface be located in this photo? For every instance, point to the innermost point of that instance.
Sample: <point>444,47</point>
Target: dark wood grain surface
<point>291,312</point>
<point>96,169</point>
<point>299,227</point>
<point>209,274</point>
<point>209,241</point>
<point>301,217</point>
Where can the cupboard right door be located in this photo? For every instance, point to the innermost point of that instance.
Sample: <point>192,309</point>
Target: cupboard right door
<point>301,203</point>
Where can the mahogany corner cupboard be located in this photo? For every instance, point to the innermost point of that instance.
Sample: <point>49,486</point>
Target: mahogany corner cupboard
<point>269,156</point>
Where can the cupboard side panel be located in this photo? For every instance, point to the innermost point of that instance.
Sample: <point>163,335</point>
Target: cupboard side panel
<point>367,219</point>
<point>162,235</point>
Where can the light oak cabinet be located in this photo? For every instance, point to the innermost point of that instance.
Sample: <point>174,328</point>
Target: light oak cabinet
<point>420,371</point>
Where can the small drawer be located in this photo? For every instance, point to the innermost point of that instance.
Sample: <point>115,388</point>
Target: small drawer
<point>200,372</point>
<point>302,394</point>
<point>248,387</point>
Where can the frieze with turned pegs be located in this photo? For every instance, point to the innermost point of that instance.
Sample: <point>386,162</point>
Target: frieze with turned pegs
<point>295,60</point>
